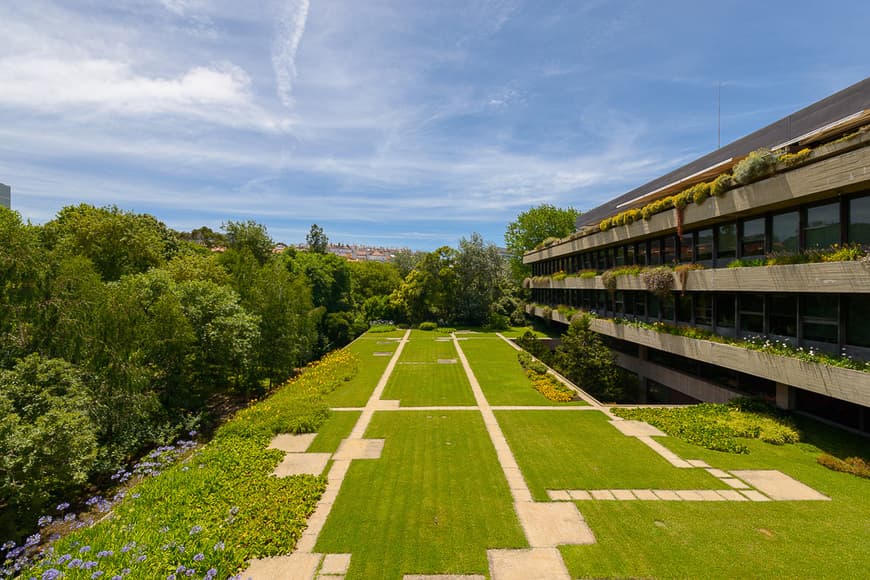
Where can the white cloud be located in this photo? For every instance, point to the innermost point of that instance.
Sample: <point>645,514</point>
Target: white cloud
<point>291,27</point>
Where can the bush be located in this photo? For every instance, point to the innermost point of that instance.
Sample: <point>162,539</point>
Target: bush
<point>854,465</point>
<point>700,193</point>
<point>428,325</point>
<point>498,322</point>
<point>758,164</point>
<point>378,328</point>
<point>721,184</point>
<point>659,281</point>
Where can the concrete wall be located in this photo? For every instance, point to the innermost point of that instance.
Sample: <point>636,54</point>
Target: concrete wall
<point>5,196</point>
<point>828,277</point>
<point>686,384</point>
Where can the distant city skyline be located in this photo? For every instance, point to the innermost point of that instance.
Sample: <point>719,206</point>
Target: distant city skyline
<point>392,123</point>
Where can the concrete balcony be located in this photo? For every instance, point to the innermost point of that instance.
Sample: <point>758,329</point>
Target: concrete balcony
<point>827,277</point>
<point>840,383</point>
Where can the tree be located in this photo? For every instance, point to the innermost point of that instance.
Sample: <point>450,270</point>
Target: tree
<point>586,360</point>
<point>204,236</point>
<point>251,236</point>
<point>427,292</point>
<point>317,240</point>
<point>406,260</point>
<point>370,279</point>
<point>479,270</point>
<point>532,227</point>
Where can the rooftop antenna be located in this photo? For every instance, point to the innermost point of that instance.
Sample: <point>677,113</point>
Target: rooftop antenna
<point>719,116</point>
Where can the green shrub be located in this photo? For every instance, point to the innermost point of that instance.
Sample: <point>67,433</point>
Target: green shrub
<point>721,184</point>
<point>428,325</point>
<point>854,465</point>
<point>792,159</point>
<point>700,193</point>
<point>378,328</point>
<point>758,164</point>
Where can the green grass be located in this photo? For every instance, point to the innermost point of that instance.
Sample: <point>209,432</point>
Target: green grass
<point>337,427</point>
<point>419,380</point>
<point>796,539</point>
<point>356,391</point>
<point>580,450</point>
<point>432,504</point>
<point>502,379</point>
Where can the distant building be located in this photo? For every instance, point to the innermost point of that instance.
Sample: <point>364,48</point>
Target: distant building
<point>5,196</point>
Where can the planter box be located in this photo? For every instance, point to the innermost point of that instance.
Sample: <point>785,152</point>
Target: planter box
<point>846,384</point>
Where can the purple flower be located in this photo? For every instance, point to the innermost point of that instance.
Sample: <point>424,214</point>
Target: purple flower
<point>69,517</point>
<point>51,574</point>
<point>199,557</point>
<point>84,549</point>
<point>97,574</point>
<point>141,558</point>
<point>195,530</point>
<point>8,545</point>
<point>164,529</point>
<point>190,572</point>
<point>218,547</point>
<point>105,553</point>
<point>62,506</point>
<point>212,572</point>
<point>44,521</point>
<point>192,433</point>
<point>89,564</point>
<point>135,495</point>
<point>128,547</point>
<point>33,540</point>
<point>64,558</point>
<point>74,563</point>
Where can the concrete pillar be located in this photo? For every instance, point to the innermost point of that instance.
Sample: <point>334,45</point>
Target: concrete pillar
<point>785,396</point>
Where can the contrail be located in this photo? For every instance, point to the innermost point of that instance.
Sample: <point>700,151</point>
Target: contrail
<point>291,27</point>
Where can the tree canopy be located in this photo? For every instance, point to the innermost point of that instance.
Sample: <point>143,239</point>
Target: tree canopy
<point>532,227</point>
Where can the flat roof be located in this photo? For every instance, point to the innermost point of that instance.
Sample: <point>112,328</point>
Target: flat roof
<point>845,103</point>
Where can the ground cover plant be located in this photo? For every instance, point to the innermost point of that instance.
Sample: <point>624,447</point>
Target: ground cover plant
<point>543,382</point>
<point>790,539</point>
<point>433,503</point>
<point>419,379</point>
<point>501,377</point>
<point>719,426</point>
<point>330,434</point>
<point>215,509</point>
<point>581,450</point>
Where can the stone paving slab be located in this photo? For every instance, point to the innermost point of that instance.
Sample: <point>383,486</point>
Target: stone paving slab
<point>601,494</point>
<point>622,494</point>
<point>548,525</point>
<point>359,449</point>
<point>717,473</point>
<point>294,567</point>
<point>335,564</point>
<point>330,577</point>
<point>446,361</point>
<point>382,353</point>
<point>735,483</point>
<point>754,495</point>
<point>731,495</point>
<point>579,494</point>
<point>558,495</point>
<point>302,464</point>
<point>666,453</point>
<point>698,463</point>
<point>637,429</point>
<point>443,577</point>
<point>646,494</point>
<point>689,495</point>
<point>534,564</point>
<point>291,443</point>
<point>384,404</point>
<point>779,486</point>
<point>666,494</point>
<point>338,470</point>
<point>544,408</point>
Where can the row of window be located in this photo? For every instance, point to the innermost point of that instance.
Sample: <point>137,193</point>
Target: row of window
<point>813,319</point>
<point>808,227</point>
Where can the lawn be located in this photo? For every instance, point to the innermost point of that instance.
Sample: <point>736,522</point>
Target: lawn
<point>795,539</point>
<point>580,450</point>
<point>337,427</point>
<point>503,380</point>
<point>356,392</point>
<point>432,504</point>
<point>419,380</point>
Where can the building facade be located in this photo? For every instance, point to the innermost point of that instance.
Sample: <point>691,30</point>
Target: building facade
<point>5,196</point>
<point>736,274</point>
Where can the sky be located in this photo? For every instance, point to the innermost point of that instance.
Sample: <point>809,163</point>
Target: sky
<point>403,123</point>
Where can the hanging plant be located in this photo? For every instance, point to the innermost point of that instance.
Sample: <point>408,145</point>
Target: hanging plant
<point>659,281</point>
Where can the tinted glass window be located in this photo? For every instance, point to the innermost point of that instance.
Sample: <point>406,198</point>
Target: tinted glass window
<point>684,309</point>
<point>784,234</point>
<point>640,254</point>
<point>783,315</point>
<point>704,247</point>
<point>727,247</point>
<point>859,220</point>
<point>823,226</point>
<point>725,310</point>
<point>752,243</point>
<point>820,318</point>
<point>670,255</point>
<point>703,304</point>
<point>857,328</point>
<point>655,252</point>
<point>751,313</point>
<point>687,247</point>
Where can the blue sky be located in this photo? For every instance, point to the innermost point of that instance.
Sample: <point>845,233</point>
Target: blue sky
<point>402,123</point>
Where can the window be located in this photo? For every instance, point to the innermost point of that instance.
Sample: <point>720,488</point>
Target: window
<point>725,310</point>
<point>859,220</point>
<point>629,254</point>
<point>703,304</point>
<point>857,329</point>
<point>727,243</point>
<point>684,309</point>
<point>619,257</point>
<point>823,226</point>
<point>602,260</point>
<point>619,303</point>
<point>704,246</point>
<point>667,308</point>
<point>752,243</point>
<point>751,313</point>
<point>641,254</point>
<point>687,247</point>
<point>783,315</point>
<point>784,235</point>
<point>655,252</point>
<point>654,306</point>
<point>639,303</point>
<point>670,252</point>
<point>820,317</point>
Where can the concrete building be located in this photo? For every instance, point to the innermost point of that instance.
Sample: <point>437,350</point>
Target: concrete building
<point>808,198</point>
<point>5,196</point>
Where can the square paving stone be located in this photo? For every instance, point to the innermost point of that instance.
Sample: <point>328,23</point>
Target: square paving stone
<point>731,495</point>
<point>698,463</point>
<point>302,464</point>
<point>335,564</point>
<point>534,564</point>
<point>667,494</point>
<point>689,495</point>
<point>294,567</point>
<point>754,495</point>
<point>548,525</point>
<point>637,429</point>
<point>646,494</point>
<point>359,449</point>
<point>735,483</point>
<point>558,495</point>
<point>291,443</point>
<point>779,486</point>
<point>717,473</point>
<point>579,494</point>
<point>601,494</point>
<point>711,495</point>
<point>623,494</point>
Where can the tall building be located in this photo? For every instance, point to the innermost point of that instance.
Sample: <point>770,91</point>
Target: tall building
<point>760,282</point>
<point>5,196</point>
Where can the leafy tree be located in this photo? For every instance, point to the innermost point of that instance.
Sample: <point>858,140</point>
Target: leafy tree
<point>370,279</point>
<point>205,236</point>
<point>532,227</point>
<point>117,242</point>
<point>329,277</point>
<point>317,240</point>
<point>197,267</point>
<point>427,292</point>
<point>406,260</point>
<point>251,236</point>
<point>479,270</point>
<point>584,358</point>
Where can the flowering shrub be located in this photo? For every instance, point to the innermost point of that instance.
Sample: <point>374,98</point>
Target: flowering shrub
<point>754,166</point>
<point>542,381</point>
<point>854,465</point>
<point>659,281</point>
